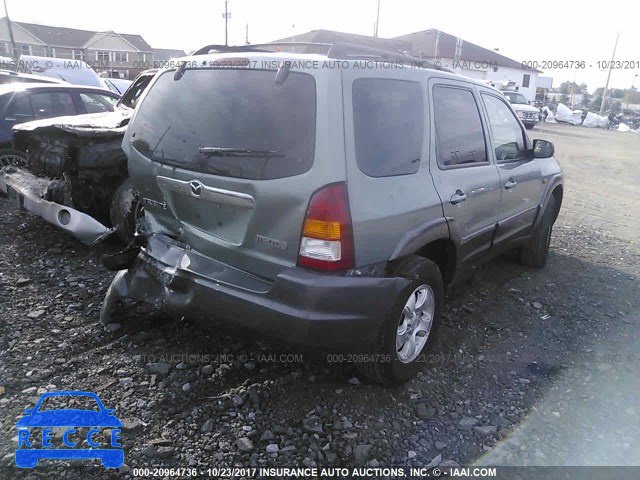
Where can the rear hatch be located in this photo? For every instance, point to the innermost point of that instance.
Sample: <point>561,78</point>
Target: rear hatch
<point>222,159</point>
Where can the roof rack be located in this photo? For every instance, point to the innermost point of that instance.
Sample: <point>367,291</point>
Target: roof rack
<point>347,51</point>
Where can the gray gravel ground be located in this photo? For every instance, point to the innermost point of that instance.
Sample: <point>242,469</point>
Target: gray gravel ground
<point>533,367</point>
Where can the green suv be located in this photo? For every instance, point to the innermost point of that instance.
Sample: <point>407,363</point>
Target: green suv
<point>327,199</point>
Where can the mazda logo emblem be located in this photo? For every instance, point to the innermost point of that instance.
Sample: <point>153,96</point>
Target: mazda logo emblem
<point>196,188</point>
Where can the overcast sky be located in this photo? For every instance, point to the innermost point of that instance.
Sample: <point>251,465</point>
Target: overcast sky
<point>534,30</point>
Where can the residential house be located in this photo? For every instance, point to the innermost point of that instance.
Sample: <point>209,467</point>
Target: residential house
<point>125,54</point>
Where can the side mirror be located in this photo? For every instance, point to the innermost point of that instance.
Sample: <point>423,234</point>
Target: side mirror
<point>543,149</point>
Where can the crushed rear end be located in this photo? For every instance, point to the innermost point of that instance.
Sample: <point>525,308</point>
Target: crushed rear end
<point>240,168</point>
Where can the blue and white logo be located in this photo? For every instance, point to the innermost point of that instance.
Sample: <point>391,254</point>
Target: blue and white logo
<point>28,454</point>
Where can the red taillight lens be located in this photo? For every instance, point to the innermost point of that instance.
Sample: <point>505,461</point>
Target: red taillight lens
<point>327,234</point>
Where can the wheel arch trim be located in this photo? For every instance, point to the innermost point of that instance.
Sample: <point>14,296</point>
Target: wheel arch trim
<point>419,236</point>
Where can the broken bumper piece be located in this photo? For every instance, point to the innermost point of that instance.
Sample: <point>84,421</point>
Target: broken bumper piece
<point>299,306</point>
<point>25,190</point>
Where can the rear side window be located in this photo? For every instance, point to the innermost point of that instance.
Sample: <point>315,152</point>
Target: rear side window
<point>234,123</point>
<point>388,118</point>
<point>459,134</point>
<point>52,104</point>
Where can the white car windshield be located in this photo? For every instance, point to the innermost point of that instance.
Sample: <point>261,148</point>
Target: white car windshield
<point>516,98</point>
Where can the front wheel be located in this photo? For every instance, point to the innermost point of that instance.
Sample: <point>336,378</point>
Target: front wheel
<point>410,328</point>
<point>11,157</point>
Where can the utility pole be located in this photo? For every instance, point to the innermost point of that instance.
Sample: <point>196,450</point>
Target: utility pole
<point>246,34</point>
<point>13,41</point>
<point>633,87</point>
<point>375,32</point>
<point>606,86</point>
<point>226,15</point>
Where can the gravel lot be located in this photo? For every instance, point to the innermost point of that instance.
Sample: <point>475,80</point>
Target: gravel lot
<point>533,367</point>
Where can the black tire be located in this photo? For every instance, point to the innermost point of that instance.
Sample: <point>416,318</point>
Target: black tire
<point>389,370</point>
<point>529,126</point>
<point>122,213</point>
<point>535,252</point>
<point>11,157</point>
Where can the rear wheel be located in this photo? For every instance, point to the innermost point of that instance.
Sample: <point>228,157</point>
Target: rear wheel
<point>536,251</point>
<point>11,157</point>
<point>410,328</point>
<point>122,212</point>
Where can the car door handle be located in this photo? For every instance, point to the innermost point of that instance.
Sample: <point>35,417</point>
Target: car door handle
<point>510,184</point>
<point>458,197</point>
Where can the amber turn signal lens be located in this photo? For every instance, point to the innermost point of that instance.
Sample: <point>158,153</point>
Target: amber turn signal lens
<point>320,229</point>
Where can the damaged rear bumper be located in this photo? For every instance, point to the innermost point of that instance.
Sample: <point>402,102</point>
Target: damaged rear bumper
<point>25,190</point>
<point>300,306</point>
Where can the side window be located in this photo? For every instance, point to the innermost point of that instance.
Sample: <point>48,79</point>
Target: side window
<point>508,137</point>
<point>130,98</point>
<point>459,133</point>
<point>388,118</point>
<point>525,80</point>
<point>19,110</point>
<point>96,103</point>
<point>52,104</point>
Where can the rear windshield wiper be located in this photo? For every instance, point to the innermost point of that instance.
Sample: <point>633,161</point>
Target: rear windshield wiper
<point>237,152</point>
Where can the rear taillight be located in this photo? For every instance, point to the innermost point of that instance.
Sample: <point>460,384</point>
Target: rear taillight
<point>327,234</point>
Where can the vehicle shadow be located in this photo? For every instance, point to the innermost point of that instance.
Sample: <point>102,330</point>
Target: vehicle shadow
<point>507,334</point>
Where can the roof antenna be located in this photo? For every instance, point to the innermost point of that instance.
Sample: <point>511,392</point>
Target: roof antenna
<point>180,71</point>
<point>283,72</point>
<point>375,32</point>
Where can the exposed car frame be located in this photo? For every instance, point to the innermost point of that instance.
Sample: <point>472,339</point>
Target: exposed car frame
<point>76,173</point>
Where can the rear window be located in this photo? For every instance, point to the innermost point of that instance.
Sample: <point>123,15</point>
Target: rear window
<point>267,129</point>
<point>388,117</point>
